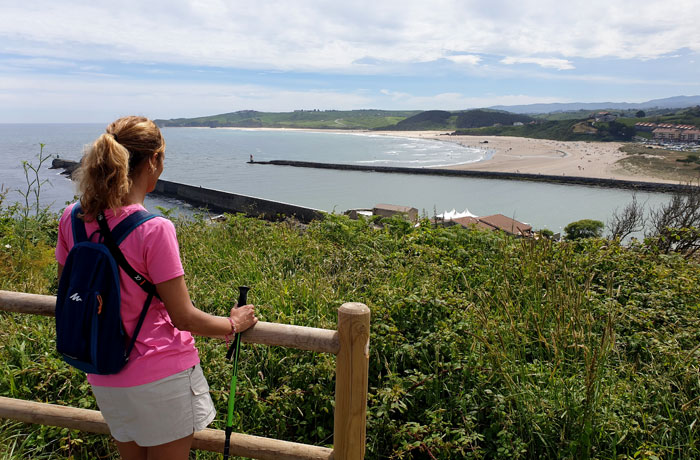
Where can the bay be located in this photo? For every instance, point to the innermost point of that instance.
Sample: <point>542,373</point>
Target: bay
<point>217,159</point>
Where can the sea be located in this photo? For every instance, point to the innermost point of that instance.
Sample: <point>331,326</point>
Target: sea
<point>217,159</point>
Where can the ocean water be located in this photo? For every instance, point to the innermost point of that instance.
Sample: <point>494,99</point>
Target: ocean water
<point>216,158</point>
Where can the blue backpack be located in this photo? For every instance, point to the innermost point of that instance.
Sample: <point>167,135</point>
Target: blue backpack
<point>89,331</point>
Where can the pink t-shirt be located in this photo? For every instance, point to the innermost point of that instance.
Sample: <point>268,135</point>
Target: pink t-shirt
<point>152,250</point>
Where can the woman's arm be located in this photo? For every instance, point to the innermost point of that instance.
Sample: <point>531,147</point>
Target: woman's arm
<point>187,317</point>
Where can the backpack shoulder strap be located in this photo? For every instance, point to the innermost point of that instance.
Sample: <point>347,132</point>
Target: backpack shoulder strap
<point>78,225</point>
<point>123,228</point>
<point>112,239</point>
<point>113,247</point>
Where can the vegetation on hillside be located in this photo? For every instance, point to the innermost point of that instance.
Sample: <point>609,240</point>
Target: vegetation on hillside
<point>443,120</point>
<point>688,116</point>
<point>482,345</point>
<point>660,162</point>
<point>482,118</point>
<point>564,126</point>
<point>564,130</point>
<point>424,121</point>
<point>311,119</point>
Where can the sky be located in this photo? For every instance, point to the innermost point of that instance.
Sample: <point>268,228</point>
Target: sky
<point>82,61</point>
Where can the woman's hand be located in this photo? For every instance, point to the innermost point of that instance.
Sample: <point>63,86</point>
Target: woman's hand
<point>187,317</point>
<point>243,317</point>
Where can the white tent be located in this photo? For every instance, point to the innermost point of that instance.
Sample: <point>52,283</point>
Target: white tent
<point>451,215</point>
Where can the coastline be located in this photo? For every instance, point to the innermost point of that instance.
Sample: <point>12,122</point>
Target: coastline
<point>543,156</point>
<point>525,155</point>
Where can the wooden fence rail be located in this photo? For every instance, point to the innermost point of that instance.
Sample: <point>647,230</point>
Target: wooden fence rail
<point>350,344</point>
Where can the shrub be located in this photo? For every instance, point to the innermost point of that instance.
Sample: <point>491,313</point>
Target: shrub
<point>585,228</point>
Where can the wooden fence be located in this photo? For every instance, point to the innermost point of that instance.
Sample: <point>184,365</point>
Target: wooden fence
<point>350,344</point>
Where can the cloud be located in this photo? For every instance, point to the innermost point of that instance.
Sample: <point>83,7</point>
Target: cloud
<point>77,60</point>
<point>550,63</point>
<point>82,98</point>
<point>88,98</point>
<point>470,59</point>
<point>317,36</point>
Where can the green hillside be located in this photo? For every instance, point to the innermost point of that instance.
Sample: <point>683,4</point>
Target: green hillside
<point>354,119</point>
<point>316,119</point>
<point>482,345</point>
<point>484,118</point>
<point>423,121</point>
<point>564,130</point>
<point>690,115</point>
<point>565,126</point>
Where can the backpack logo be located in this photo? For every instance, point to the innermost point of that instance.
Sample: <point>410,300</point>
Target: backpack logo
<point>75,298</point>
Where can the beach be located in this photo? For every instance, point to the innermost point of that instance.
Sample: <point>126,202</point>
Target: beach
<point>529,156</point>
<point>540,156</point>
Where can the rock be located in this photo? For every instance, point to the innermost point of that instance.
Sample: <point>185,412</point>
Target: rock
<point>68,166</point>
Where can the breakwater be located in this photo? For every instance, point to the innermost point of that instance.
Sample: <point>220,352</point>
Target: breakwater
<point>217,200</point>
<point>571,180</point>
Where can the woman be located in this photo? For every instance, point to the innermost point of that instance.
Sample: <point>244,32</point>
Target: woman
<point>160,398</point>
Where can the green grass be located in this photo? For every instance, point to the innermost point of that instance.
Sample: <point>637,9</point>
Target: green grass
<point>557,125</point>
<point>482,346</point>
<point>331,119</point>
<point>660,162</point>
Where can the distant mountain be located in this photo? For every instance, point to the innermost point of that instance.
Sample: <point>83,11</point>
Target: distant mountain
<point>676,102</point>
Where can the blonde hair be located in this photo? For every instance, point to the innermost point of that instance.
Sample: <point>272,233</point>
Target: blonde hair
<point>106,170</point>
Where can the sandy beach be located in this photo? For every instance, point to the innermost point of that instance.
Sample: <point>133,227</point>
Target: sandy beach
<point>530,156</point>
<point>541,156</point>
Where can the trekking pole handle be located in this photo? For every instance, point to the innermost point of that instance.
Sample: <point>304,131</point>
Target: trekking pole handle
<point>242,295</point>
<point>242,300</point>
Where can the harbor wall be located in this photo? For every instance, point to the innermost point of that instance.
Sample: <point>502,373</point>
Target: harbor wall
<point>220,201</point>
<point>571,180</point>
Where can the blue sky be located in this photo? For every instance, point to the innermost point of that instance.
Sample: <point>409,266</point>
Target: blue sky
<point>92,61</point>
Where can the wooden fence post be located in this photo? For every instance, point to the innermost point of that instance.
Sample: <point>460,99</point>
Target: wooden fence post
<point>351,377</point>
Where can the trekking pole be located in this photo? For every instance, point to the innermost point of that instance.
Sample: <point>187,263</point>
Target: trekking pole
<point>234,349</point>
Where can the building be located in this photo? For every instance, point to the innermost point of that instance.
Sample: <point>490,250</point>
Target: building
<point>497,222</point>
<point>604,117</point>
<point>388,210</point>
<point>645,126</point>
<point>667,134</point>
<point>690,135</point>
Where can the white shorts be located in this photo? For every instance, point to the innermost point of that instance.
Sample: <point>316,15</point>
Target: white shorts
<point>158,412</point>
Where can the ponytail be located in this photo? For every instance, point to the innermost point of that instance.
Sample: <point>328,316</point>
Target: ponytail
<point>105,174</point>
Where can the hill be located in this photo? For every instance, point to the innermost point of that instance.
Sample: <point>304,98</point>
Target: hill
<point>562,130</point>
<point>428,120</point>
<point>483,118</point>
<point>566,126</point>
<point>676,102</point>
<point>311,119</point>
<point>353,119</point>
